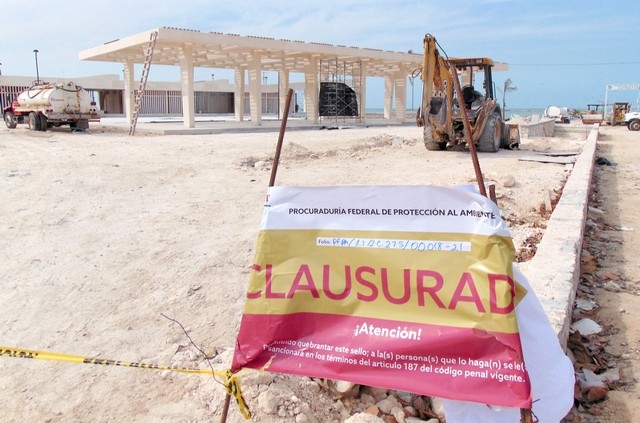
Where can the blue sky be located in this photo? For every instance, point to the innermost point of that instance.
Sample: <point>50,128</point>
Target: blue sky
<point>560,52</point>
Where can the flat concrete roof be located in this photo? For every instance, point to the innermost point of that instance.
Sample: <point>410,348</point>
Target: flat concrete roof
<point>189,49</point>
<point>227,51</point>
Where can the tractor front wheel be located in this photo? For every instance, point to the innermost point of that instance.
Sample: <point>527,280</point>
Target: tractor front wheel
<point>491,137</point>
<point>430,143</point>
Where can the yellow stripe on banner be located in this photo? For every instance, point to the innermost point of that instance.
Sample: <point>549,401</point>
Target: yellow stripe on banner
<point>450,279</point>
<point>229,379</point>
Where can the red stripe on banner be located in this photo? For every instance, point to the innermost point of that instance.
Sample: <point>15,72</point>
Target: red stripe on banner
<point>456,363</point>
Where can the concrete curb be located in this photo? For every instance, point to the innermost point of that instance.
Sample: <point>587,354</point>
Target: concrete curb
<point>554,271</point>
<point>544,128</point>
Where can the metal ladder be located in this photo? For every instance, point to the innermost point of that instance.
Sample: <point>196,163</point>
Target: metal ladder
<point>148,55</point>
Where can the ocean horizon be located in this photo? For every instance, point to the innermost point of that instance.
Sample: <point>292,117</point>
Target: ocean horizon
<point>509,113</point>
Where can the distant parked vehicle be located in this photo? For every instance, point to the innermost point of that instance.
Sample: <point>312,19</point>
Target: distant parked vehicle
<point>632,120</point>
<point>559,114</point>
<point>620,109</point>
<point>593,114</point>
<point>45,105</point>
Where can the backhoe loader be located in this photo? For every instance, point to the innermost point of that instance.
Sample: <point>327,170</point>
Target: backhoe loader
<point>440,113</point>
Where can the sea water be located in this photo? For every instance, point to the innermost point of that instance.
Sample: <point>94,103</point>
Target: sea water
<point>508,114</point>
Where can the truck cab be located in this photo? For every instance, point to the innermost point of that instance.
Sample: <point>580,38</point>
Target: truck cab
<point>632,120</point>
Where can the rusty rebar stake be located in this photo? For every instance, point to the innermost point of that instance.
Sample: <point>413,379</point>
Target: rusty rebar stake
<point>283,125</point>
<point>225,408</point>
<point>467,131</point>
<point>492,193</point>
<point>526,416</point>
<point>272,181</point>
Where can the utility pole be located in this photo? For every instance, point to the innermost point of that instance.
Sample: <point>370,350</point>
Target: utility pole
<point>37,71</point>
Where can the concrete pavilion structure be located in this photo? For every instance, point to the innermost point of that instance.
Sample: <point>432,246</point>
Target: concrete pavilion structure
<point>249,56</point>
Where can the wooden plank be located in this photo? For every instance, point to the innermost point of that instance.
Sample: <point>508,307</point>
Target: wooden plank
<point>558,152</point>
<point>548,159</point>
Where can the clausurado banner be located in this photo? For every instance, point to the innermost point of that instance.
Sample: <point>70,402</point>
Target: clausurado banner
<point>402,287</point>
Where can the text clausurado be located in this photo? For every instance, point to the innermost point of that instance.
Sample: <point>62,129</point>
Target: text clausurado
<point>485,292</point>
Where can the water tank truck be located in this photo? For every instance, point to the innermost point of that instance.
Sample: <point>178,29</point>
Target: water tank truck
<point>46,105</point>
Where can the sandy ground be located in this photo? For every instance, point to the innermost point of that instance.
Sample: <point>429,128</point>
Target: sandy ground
<point>102,233</point>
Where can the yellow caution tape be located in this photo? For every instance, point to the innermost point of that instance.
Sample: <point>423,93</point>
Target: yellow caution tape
<point>233,388</point>
<point>41,355</point>
<point>229,379</point>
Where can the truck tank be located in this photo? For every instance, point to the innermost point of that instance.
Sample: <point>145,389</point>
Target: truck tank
<point>559,114</point>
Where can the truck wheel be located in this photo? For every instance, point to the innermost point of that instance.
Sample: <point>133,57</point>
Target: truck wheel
<point>82,125</point>
<point>43,121</point>
<point>34,122</point>
<point>634,125</point>
<point>489,141</point>
<point>430,143</point>
<point>10,119</point>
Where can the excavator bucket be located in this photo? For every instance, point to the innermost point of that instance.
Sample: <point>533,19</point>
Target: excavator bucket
<point>511,140</point>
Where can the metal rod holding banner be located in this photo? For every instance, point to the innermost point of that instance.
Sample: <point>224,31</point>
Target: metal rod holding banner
<point>283,125</point>
<point>525,414</point>
<point>272,181</point>
<point>467,131</point>
<point>492,193</point>
<point>225,408</point>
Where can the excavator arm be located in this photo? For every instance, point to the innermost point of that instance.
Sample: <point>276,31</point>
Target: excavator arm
<point>438,84</point>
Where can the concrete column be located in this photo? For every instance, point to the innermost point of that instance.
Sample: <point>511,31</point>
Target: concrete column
<point>311,90</point>
<point>255,91</point>
<point>363,92</point>
<point>129,89</point>
<point>238,95</point>
<point>388,96</point>
<point>413,82</point>
<point>401,95</point>
<point>186,76</point>
<point>283,87</point>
